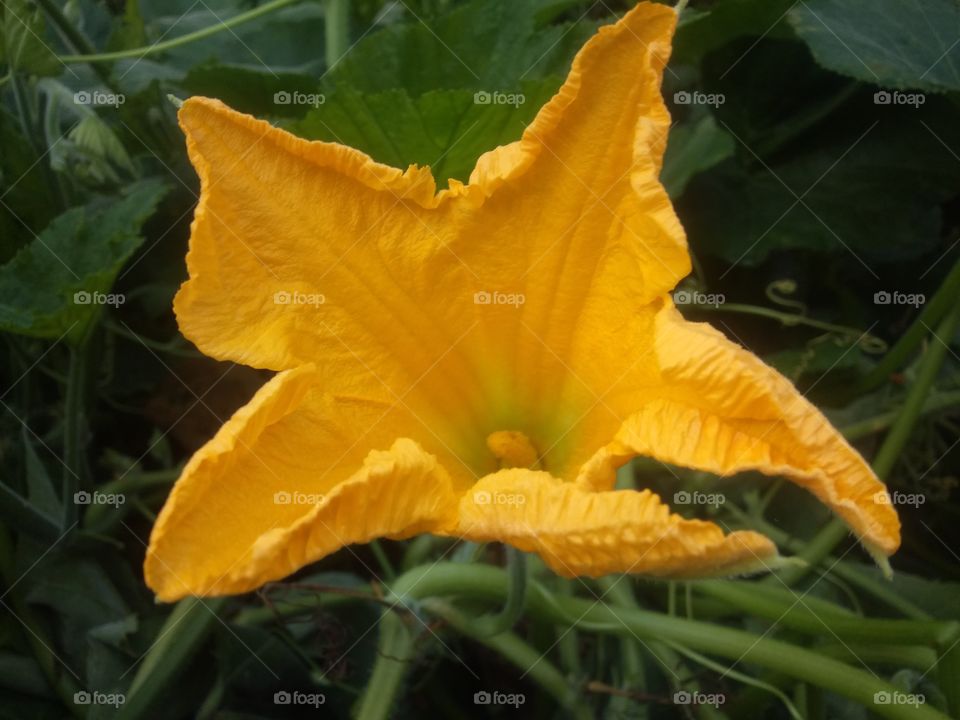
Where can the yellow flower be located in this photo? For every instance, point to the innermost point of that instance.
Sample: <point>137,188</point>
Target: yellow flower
<point>475,362</point>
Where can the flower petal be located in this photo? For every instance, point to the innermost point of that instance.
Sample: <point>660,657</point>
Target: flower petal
<point>580,532</point>
<point>287,480</point>
<point>718,408</point>
<point>592,157</point>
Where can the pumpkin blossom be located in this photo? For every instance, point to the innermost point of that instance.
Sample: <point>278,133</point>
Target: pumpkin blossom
<point>475,362</point>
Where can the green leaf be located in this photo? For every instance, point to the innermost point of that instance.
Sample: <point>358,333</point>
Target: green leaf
<point>252,91</point>
<point>693,148</point>
<point>874,199</point>
<point>22,42</point>
<point>55,285</point>
<point>482,45</point>
<point>445,129</point>
<point>887,42</point>
<point>700,32</point>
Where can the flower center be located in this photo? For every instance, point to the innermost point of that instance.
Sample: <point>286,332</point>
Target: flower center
<point>513,449</point>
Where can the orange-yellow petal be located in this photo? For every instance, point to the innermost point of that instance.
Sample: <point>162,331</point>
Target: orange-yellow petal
<point>581,532</point>
<point>287,480</point>
<point>717,407</point>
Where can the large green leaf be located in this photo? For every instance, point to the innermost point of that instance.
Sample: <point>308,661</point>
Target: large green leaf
<point>55,285</point>
<point>482,45</point>
<point>693,147</point>
<point>876,198</point>
<point>888,42</point>
<point>446,129</point>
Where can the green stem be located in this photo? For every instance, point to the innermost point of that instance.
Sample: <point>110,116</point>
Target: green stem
<point>75,428</point>
<point>183,39</point>
<point>336,31</point>
<point>792,319</point>
<point>486,582</point>
<point>935,403</point>
<point>75,38</point>
<point>944,299</point>
<point>385,565</point>
<point>836,530</point>
<point>814,616</point>
<point>504,620</point>
<point>181,636</point>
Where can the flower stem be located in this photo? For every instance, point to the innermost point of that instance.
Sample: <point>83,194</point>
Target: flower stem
<point>336,31</point>
<point>945,298</point>
<point>183,39</point>
<point>75,428</point>
<point>490,583</point>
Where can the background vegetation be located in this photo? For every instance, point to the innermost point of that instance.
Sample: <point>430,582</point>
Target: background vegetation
<point>818,211</point>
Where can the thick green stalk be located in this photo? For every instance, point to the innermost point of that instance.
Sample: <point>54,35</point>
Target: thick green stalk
<point>183,39</point>
<point>336,31</point>
<point>943,300</point>
<point>877,423</point>
<point>815,616</point>
<point>75,430</point>
<point>504,620</point>
<point>486,582</point>
<point>183,633</point>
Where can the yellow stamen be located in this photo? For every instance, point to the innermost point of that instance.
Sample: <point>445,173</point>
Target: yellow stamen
<point>513,449</point>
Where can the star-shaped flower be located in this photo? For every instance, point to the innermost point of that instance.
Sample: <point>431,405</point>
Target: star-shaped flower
<point>475,362</point>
